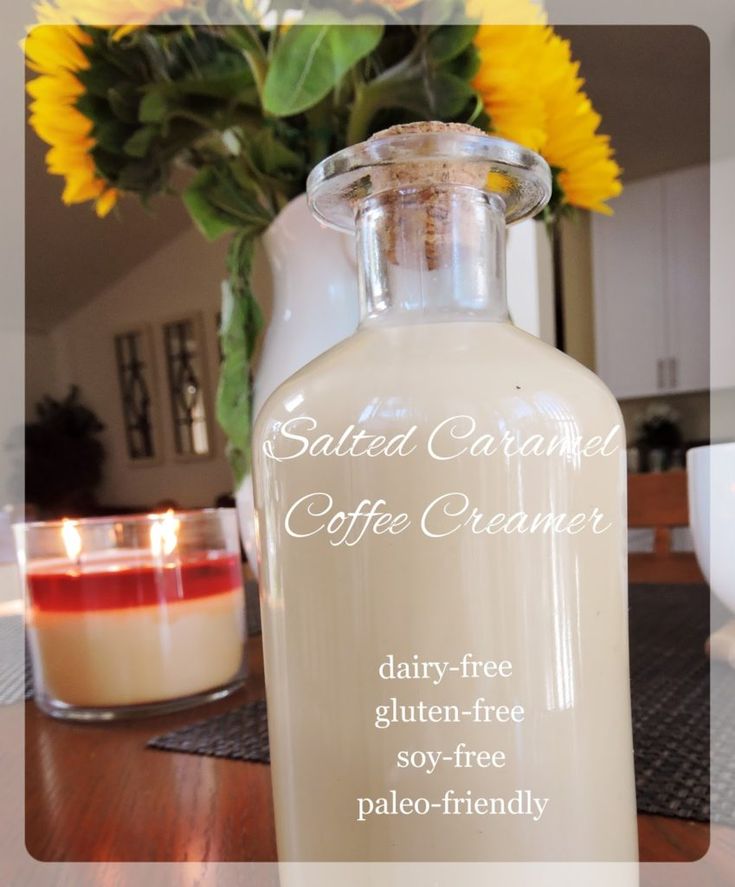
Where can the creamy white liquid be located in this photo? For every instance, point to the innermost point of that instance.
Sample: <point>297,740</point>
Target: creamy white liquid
<point>137,655</point>
<point>553,605</point>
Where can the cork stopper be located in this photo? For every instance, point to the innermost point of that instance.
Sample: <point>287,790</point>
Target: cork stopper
<point>429,181</point>
<point>449,171</point>
<point>426,159</point>
<point>400,129</point>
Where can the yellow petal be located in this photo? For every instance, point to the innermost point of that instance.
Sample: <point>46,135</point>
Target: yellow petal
<point>63,158</point>
<point>62,87</point>
<point>123,31</point>
<point>80,186</point>
<point>49,48</point>
<point>59,125</point>
<point>533,93</point>
<point>106,202</point>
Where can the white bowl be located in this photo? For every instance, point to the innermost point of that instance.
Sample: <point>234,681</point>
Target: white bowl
<point>711,478</point>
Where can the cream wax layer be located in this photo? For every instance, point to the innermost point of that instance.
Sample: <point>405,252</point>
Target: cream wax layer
<point>136,655</point>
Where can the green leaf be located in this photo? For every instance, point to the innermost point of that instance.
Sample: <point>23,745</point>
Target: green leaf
<point>465,65</point>
<point>153,107</point>
<point>245,38</point>
<point>218,203</point>
<point>235,85</point>
<point>449,41</point>
<point>144,176</point>
<point>98,79</point>
<point>430,95</point>
<point>93,107</point>
<point>226,76</point>
<point>123,100</point>
<point>450,95</point>
<point>242,322</point>
<point>139,144</point>
<point>272,157</point>
<point>211,221</point>
<point>310,60</point>
<point>111,134</point>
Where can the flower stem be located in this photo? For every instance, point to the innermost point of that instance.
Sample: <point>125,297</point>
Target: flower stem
<point>374,94</point>
<point>364,106</point>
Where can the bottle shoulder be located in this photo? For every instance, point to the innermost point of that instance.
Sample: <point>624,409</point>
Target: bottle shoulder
<point>434,367</point>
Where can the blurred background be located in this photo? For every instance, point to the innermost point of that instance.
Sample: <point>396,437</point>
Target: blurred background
<point>125,310</point>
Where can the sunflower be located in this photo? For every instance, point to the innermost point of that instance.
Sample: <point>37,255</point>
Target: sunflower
<point>54,49</point>
<point>56,53</point>
<point>532,92</point>
<point>527,79</point>
<point>588,172</point>
<point>505,81</point>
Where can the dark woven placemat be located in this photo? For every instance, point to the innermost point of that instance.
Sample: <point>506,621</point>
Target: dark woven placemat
<point>670,678</point>
<point>240,734</point>
<point>16,680</point>
<point>670,692</point>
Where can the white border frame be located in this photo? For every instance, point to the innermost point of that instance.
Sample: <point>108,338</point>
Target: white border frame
<point>716,868</point>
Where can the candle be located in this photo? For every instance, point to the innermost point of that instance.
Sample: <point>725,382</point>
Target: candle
<point>141,611</point>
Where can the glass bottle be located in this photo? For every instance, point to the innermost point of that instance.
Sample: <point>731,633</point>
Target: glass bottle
<point>445,682</point>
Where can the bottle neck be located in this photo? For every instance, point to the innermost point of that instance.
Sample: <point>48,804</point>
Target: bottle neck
<point>431,254</point>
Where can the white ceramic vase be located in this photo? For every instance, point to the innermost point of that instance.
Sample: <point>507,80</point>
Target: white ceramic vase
<point>310,284</point>
<point>711,478</point>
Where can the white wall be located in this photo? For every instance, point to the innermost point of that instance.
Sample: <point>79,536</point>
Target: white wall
<point>182,278</point>
<point>42,374</point>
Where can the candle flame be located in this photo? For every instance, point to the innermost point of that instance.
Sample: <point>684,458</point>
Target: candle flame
<point>164,533</point>
<point>71,538</point>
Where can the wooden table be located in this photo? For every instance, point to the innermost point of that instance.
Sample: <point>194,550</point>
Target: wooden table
<point>97,793</point>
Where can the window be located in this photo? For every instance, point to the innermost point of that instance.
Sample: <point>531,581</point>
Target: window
<point>185,367</point>
<point>134,376</point>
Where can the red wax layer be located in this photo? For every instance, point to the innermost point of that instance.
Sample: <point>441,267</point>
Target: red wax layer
<point>101,587</point>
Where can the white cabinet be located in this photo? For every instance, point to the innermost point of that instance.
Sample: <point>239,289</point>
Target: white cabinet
<point>686,224</point>
<point>630,337</point>
<point>651,281</point>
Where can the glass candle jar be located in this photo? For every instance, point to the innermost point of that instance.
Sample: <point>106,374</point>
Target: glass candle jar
<point>133,615</point>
